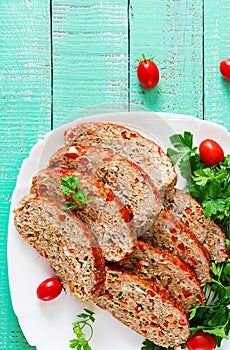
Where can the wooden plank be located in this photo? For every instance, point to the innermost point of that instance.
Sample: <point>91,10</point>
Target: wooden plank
<point>216,48</point>
<point>171,31</point>
<point>90,43</point>
<point>25,118</point>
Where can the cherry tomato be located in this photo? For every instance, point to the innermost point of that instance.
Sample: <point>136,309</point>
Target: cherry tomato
<point>201,341</point>
<point>225,68</point>
<point>49,289</point>
<point>211,152</point>
<point>148,73</point>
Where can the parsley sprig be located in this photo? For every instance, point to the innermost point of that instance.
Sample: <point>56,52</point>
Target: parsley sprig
<point>214,316</point>
<point>211,187</point>
<point>80,342</point>
<point>184,154</point>
<point>70,187</point>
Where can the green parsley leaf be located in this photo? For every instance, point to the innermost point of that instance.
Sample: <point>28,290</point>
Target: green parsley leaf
<point>69,184</point>
<point>81,196</point>
<point>218,331</point>
<point>173,155</point>
<point>182,142</point>
<point>185,166</point>
<point>80,342</point>
<point>183,153</point>
<point>70,187</point>
<point>89,314</point>
<point>212,207</point>
<point>68,206</point>
<point>205,175</point>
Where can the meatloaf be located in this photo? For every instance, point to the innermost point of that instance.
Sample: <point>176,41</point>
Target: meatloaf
<point>107,217</point>
<point>127,180</point>
<point>65,242</point>
<point>144,307</point>
<point>190,212</point>
<point>127,143</point>
<point>171,233</point>
<point>166,270</point>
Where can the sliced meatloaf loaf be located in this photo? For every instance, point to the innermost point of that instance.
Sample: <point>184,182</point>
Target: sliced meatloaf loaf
<point>166,270</point>
<point>144,307</point>
<point>107,217</point>
<point>190,212</point>
<point>127,180</point>
<point>171,233</point>
<point>127,143</point>
<point>64,241</point>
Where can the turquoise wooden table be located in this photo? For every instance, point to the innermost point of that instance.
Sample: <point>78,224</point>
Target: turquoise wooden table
<point>59,56</point>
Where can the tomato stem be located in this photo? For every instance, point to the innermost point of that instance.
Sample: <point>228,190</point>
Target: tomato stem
<point>144,57</point>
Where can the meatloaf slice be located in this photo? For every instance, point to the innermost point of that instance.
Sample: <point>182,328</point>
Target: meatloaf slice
<point>106,216</point>
<point>171,233</point>
<point>64,241</point>
<point>127,143</point>
<point>167,270</point>
<point>144,307</point>
<point>190,212</point>
<point>127,180</point>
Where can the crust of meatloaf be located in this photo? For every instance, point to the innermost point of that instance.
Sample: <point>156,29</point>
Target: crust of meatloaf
<point>144,307</point>
<point>190,212</point>
<point>171,233</point>
<point>130,144</point>
<point>106,215</point>
<point>167,270</point>
<point>129,182</point>
<point>65,242</point>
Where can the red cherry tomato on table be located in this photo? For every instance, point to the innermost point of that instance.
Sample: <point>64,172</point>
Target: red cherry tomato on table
<point>225,68</point>
<point>148,73</point>
<point>201,341</point>
<point>49,289</point>
<point>211,152</point>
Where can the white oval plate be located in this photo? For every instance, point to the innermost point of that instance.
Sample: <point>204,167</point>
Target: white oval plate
<point>48,325</point>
